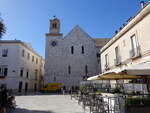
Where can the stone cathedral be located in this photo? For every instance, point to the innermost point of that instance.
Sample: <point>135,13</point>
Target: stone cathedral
<point>71,58</point>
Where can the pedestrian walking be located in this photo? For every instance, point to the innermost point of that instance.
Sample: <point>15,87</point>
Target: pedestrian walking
<point>64,90</point>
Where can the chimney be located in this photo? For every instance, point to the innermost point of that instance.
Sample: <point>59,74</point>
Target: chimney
<point>142,4</point>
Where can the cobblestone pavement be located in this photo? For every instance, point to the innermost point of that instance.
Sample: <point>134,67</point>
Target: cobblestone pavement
<point>47,104</point>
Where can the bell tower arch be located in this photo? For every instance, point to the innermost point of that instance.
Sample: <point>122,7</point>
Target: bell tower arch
<point>54,26</point>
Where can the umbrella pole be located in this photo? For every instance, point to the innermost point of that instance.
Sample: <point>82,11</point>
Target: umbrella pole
<point>116,83</point>
<point>147,85</point>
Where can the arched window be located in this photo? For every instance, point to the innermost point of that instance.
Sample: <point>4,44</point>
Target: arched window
<point>72,50</point>
<point>54,25</point>
<point>82,49</point>
<point>69,69</point>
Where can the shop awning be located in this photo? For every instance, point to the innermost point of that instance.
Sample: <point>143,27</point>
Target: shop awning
<point>117,76</point>
<point>139,69</point>
<point>132,72</point>
<point>93,77</point>
<point>114,76</point>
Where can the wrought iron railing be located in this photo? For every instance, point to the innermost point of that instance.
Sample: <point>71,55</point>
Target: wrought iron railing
<point>117,61</point>
<point>135,52</point>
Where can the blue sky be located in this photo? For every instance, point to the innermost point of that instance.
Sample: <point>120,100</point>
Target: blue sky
<point>28,20</point>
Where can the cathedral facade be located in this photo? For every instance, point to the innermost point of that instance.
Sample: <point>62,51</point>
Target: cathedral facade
<point>71,58</point>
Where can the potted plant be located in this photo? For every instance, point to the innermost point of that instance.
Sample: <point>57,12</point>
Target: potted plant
<point>138,104</point>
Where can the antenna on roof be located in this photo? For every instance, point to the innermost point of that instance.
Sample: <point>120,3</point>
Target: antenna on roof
<point>116,31</point>
<point>142,3</point>
<point>54,16</point>
<point>124,25</point>
<point>120,28</point>
<point>129,19</point>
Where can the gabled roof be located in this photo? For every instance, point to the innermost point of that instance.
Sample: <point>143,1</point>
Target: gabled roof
<point>100,42</point>
<point>77,28</point>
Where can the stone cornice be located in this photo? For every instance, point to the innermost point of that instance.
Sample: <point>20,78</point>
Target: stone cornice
<point>19,42</point>
<point>54,34</point>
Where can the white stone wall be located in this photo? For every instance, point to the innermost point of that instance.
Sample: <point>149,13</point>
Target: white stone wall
<point>15,62</point>
<point>141,30</point>
<point>58,58</point>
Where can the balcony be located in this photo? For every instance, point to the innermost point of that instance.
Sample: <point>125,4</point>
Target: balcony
<point>106,66</point>
<point>2,76</point>
<point>117,61</point>
<point>135,52</point>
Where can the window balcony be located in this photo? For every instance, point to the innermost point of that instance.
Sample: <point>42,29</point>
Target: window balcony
<point>117,61</point>
<point>106,66</point>
<point>2,76</point>
<point>135,52</point>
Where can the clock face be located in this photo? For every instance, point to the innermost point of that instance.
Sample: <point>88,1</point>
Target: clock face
<point>53,43</point>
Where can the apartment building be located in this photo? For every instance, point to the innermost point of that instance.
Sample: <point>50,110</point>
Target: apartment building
<point>21,68</point>
<point>130,45</point>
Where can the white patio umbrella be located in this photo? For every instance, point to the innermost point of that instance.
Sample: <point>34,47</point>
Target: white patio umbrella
<point>139,69</point>
<point>93,77</point>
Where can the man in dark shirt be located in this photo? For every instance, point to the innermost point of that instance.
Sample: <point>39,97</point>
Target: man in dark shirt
<point>3,98</point>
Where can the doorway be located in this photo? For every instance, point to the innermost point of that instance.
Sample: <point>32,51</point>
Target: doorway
<point>26,87</point>
<point>20,87</point>
<point>35,87</point>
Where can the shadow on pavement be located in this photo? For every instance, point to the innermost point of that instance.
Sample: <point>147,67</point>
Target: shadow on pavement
<point>20,110</point>
<point>36,94</point>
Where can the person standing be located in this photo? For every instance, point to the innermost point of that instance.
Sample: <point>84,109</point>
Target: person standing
<point>4,97</point>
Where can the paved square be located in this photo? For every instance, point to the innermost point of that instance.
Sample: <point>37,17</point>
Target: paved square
<point>47,104</point>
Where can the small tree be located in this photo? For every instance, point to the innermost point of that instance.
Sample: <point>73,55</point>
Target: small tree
<point>2,28</point>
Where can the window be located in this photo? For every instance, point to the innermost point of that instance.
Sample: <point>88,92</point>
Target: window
<point>117,60</point>
<point>86,69</point>
<point>36,74</point>
<point>72,50</point>
<point>35,87</point>
<point>124,43</point>
<point>54,78</point>
<point>32,58</point>
<point>4,52</point>
<point>36,60</point>
<point>134,43</point>
<point>23,53</point>
<point>26,87</point>
<point>98,57</point>
<point>69,69</point>
<point>27,74</point>
<point>21,72</point>
<point>117,52</point>
<point>3,71</point>
<point>106,60</point>
<point>28,56</point>
<point>82,49</point>
<point>55,25</point>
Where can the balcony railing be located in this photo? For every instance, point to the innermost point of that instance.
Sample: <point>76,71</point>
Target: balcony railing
<point>117,61</point>
<point>135,52</point>
<point>106,66</point>
<point>2,76</point>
